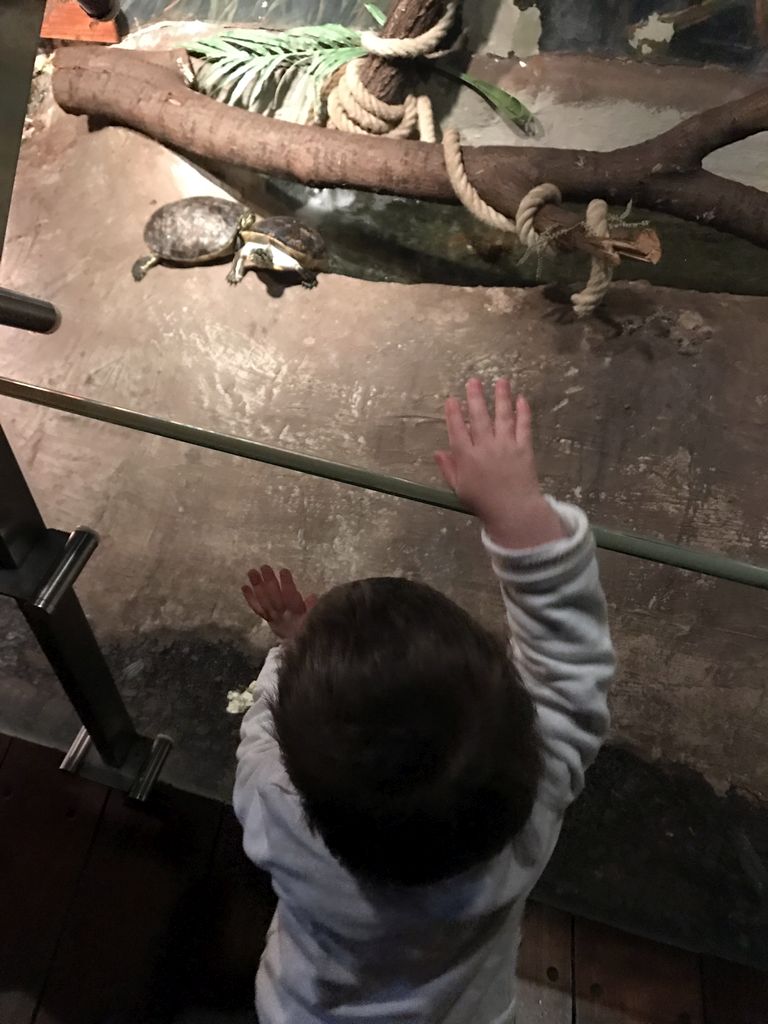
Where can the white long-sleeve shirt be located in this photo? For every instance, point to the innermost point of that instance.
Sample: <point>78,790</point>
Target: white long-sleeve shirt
<point>343,950</point>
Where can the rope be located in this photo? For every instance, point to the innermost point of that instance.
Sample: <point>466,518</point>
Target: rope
<point>426,119</point>
<point>526,214</point>
<point>353,108</point>
<point>523,226</point>
<point>414,46</point>
<point>466,191</point>
<point>601,275</point>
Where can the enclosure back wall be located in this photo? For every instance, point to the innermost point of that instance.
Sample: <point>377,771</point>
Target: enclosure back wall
<point>655,421</point>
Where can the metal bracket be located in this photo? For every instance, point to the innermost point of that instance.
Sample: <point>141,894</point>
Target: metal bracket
<point>38,568</point>
<point>136,776</point>
<point>50,568</point>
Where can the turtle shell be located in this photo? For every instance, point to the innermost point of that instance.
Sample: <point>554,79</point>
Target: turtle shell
<point>304,243</point>
<point>194,230</point>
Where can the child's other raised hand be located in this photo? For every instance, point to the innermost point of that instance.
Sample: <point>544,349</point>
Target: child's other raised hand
<point>491,467</point>
<point>277,600</point>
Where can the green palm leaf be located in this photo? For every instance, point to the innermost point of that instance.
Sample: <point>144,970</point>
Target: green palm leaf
<point>213,75</point>
<point>376,13</point>
<point>507,106</point>
<point>251,77</point>
<point>259,69</point>
<point>256,68</point>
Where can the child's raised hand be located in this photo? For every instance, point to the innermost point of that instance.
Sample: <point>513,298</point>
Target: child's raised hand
<point>491,467</point>
<point>277,600</point>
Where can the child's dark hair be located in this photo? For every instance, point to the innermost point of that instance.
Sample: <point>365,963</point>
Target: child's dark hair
<point>406,731</point>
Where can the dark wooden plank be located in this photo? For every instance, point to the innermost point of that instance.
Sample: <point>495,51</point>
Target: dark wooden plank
<point>544,990</point>
<point>236,910</point>
<point>733,994</point>
<point>623,979</point>
<point>47,821</point>
<point>134,914</point>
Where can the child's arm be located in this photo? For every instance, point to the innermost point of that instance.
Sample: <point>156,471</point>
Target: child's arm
<point>277,600</point>
<point>544,555</point>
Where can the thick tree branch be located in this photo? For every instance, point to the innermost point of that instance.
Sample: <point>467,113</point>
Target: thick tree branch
<point>122,87</point>
<point>683,147</point>
<point>661,174</point>
<point>711,200</point>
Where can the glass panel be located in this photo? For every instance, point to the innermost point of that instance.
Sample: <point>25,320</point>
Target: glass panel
<point>651,415</point>
<point>179,528</point>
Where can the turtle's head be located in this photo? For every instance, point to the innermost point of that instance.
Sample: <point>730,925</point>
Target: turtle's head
<point>247,221</point>
<point>266,256</point>
<point>256,256</point>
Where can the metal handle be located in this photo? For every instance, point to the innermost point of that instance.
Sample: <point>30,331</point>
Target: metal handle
<point>80,545</point>
<point>75,756</point>
<point>149,771</point>
<point>17,310</point>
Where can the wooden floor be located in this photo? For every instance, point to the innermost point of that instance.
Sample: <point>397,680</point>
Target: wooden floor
<point>111,913</point>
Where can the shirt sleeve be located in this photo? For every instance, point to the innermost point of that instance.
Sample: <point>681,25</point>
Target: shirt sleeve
<point>561,646</point>
<point>257,755</point>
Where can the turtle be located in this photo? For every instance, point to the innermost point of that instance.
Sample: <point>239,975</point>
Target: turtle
<point>278,244</point>
<point>201,229</point>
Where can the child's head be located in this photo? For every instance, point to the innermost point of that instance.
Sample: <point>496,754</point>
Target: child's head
<point>406,731</point>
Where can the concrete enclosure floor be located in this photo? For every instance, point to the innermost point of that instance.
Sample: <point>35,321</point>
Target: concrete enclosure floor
<point>654,419</point>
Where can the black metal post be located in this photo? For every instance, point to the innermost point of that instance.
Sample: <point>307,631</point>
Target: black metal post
<point>66,639</point>
<point>60,627</point>
<point>101,10</point>
<point>21,525</point>
<point>20,22</point>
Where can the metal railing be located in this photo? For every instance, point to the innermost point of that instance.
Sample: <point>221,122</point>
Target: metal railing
<point>632,545</point>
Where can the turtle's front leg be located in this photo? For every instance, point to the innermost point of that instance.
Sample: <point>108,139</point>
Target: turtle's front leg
<point>237,271</point>
<point>308,278</point>
<point>141,266</point>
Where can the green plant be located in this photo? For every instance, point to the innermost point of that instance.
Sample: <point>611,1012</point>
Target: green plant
<point>256,68</point>
<point>283,73</point>
<point>376,13</point>
<point>508,107</point>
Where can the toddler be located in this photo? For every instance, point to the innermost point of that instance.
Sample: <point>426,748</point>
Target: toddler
<point>403,775</point>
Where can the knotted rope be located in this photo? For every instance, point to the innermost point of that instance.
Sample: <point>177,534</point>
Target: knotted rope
<point>584,302</point>
<point>353,108</point>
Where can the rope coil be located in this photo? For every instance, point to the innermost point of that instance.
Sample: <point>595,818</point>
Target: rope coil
<point>523,227</point>
<point>414,46</point>
<point>353,108</point>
